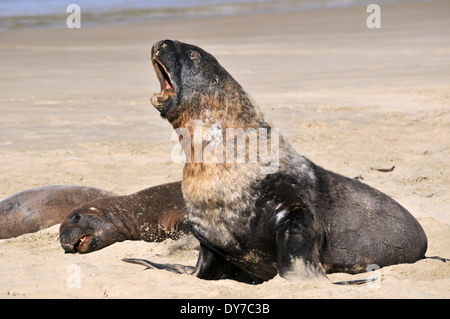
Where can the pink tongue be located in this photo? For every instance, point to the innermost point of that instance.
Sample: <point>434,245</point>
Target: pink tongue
<point>168,86</point>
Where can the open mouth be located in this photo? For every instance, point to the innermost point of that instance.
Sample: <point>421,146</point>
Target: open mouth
<point>81,242</point>
<point>167,89</point>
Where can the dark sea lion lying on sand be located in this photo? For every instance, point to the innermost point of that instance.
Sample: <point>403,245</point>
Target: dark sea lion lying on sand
<point>153,215</point>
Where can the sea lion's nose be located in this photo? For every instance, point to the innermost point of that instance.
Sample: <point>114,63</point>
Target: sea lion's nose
<point>160,45</point>
<point>157,47</point>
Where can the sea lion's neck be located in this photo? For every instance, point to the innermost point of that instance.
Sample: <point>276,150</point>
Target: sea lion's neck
<point>125,222</point>
<point>210,117</point>
<point>227,103</point>
<point>224,138</point>
<point>143,219</point>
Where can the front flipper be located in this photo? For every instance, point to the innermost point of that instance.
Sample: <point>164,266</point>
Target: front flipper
<point>210,266</point>
<point>299,240</point>
<point>176,268</point>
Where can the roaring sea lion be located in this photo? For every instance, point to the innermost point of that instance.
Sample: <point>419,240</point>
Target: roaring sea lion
<point>41,207</point>
<point>292,217</point>
<point>153,215</point>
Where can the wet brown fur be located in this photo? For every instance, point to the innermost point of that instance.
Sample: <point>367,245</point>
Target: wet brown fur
<point>153,215</point>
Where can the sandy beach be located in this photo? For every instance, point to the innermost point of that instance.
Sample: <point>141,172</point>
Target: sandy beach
<point>74,109</point>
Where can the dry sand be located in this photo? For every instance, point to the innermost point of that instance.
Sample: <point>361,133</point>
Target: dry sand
<point>74,109</point>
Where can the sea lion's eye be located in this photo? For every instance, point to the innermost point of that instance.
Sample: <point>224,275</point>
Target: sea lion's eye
<point>194,56</point>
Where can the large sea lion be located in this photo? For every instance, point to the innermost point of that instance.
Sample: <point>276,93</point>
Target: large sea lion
<point>153,215</point>
<point>292,217</point>
<point>41,207</point>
